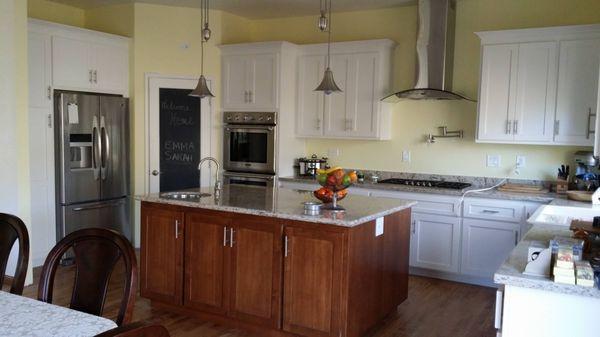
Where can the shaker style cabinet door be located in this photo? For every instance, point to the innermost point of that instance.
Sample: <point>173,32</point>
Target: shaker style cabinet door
<point>235,79</point>
<point>577,92</point>
<point>338,104</point>
<point>205,255</point>
<point>435,242</point>
<point>309,120</point>
<point>256,266</point>
<point>536,92</point>
<point>71,63</point>
<point>162,256</point>
<point>497,92</point>
<point>262,81</point>
<point>312,278</point>
<point>110,67</point>
<point>363,113</point>
<point>485,245</point>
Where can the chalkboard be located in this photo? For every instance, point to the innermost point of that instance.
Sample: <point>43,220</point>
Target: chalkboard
<point>179,139</point>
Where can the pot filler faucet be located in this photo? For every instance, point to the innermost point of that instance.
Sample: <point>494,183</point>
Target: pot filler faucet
<point>218,184</point>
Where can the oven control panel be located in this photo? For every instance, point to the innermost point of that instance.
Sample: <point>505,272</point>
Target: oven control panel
<point>252,118</point>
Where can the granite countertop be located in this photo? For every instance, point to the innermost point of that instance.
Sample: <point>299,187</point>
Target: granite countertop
<point>287,204</point>
<point>492,194</point>
<point>510,272</point>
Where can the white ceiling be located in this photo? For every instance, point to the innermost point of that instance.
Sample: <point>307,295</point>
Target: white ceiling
<point>257,9</point>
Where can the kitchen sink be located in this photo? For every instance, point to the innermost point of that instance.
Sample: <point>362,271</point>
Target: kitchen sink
<point>562,215</point>
<point>184,196</point>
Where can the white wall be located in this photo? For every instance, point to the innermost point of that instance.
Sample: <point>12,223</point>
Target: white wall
<point>14,146</point>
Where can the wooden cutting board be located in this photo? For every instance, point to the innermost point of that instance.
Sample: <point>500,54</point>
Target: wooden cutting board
<point>523,188</point>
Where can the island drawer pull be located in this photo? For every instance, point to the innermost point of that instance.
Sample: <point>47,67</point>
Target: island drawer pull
<point>224,236</point>
<point>285,246</point>
<point>488,211</point>
<point>176,229</point>
<point>231,242</point>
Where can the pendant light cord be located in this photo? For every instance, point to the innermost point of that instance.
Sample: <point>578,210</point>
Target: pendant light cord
<point>329,37</point>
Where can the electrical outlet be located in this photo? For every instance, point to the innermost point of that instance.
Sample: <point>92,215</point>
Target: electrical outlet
<point>521,161</point>
<point>333,153</point>
<point>493,160</point>
<point>406,156</point>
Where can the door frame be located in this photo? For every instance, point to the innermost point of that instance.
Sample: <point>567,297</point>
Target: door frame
<point>206,122</point>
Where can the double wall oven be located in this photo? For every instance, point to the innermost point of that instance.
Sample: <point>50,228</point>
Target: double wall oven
<point>249,148</point>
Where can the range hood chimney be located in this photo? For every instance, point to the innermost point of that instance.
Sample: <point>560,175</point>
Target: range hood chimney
<point>435,53</point>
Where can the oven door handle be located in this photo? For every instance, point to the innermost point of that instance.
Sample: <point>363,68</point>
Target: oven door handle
<point>249,128</point>
<point>249,175</point>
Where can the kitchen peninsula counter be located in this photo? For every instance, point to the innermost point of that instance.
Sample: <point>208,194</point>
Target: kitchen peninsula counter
<point>253,260</point>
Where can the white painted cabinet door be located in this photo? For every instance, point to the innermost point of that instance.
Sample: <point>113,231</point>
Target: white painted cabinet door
<point>235,82</point>
<point>497,92</point>
<point>435,242</point>
<point>577,91</point>
<point>40,70</point>
<point>362,112</point>
<point>309,116</point>
<point>110,65</point>
<point>263,81</point>
<point>41,146</point>
<point>337,104</point>
<point>536,92</point>
<point>485,245</point>
<point>71,63</point>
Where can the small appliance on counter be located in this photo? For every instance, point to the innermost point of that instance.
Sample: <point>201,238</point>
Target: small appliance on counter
<point>308,167</point>
<point>586,173</point>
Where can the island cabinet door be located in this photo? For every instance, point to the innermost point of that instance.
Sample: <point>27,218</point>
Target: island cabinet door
<point>256,266</point>
<point>162,254</point>
<point>312,282</point>
<point>206,241</point>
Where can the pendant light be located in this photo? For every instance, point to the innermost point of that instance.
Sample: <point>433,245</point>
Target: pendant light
<point>202,89</point>
<point>327,85</point>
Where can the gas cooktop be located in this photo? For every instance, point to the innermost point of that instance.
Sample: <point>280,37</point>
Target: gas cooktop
<point>453,185</point>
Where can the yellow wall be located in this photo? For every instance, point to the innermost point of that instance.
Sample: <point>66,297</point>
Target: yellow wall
<point>412,120</point>
<point>55,12</point>
<point>115,19</point>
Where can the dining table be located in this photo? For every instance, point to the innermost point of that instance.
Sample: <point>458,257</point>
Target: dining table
<point>25,317</point>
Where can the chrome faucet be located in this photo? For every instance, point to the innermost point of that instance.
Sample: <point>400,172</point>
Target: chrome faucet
<point>218,184</point>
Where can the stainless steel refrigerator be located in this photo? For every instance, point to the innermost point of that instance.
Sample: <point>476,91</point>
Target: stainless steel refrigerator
<point>92,162</point>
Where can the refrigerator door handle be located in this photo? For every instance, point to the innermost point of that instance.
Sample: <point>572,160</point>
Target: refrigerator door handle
<point>96,148</point>
<point>104,141</point>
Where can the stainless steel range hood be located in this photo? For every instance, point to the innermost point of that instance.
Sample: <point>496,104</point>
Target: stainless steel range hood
<point>435,53</point>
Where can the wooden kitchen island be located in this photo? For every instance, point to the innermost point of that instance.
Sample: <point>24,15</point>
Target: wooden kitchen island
<point>254,260</point>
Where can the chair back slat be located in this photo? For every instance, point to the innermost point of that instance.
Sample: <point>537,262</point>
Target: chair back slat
<point>12,229</point>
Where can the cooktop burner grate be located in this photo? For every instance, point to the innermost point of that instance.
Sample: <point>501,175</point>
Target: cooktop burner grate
<point>453,185</point>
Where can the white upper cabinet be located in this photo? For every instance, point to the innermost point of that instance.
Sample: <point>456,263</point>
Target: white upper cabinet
<point>539,86</point>
<point>71,63</point>
<point>309,115</point>
<point>576,102</point>
<point>85,60</point>
<point>40,71</point>
<point>496,109</point>
<point>362,70</point>
<point>250,78</point>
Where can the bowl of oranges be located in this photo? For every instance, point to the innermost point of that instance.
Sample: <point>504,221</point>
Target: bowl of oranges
<point>334,182</point>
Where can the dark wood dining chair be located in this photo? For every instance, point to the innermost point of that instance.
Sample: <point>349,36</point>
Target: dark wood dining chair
<point>12,229</point>
<point>137,329</point>
<point>96,252</point>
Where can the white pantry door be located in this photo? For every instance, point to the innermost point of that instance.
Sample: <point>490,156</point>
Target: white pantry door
<point>167,95</point>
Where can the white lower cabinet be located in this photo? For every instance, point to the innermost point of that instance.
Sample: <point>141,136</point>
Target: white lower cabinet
<point>435,242</point>
<point>485,245</point>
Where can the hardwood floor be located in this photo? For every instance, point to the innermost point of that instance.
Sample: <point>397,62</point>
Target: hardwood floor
<point>434,308</point>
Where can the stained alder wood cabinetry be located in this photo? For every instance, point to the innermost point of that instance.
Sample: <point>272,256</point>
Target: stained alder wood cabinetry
<point>274,276</point>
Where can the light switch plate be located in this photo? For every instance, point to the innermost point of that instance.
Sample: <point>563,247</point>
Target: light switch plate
<point>333,153</point>
<point>379,226</point>
<point>406,156</point>
<point>521,161</point>
<point>493,160</point>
